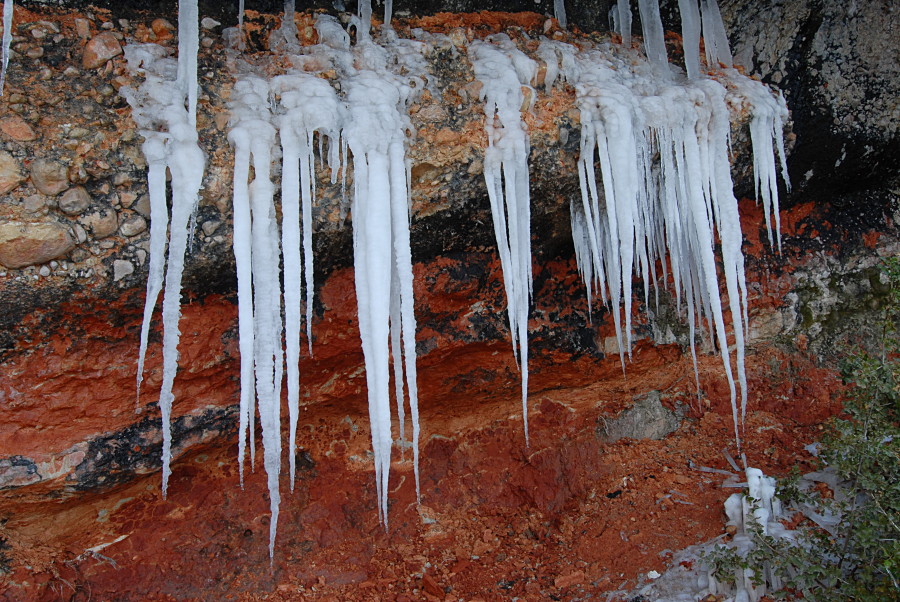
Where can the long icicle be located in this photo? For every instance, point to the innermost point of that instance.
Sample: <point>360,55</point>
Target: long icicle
<point>7,39</point>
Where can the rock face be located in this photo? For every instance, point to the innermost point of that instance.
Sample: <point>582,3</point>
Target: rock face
<point>74,251</point>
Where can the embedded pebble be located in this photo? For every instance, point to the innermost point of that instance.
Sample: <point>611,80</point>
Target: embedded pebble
<point>142,205</point>
<point>133,226</point>
<point>83,28</point>
<point>23,244</point>
<point>44,271</point>
<point>74,201</point>
<point>17,128</point>
<point>10,176</point>
<point>101,223</point>
<point>49,176</point>
<point>35,204</point>
<point>80,233</point>
<point>122,268</point>
<point>210,226</point>
<point>101,48</point>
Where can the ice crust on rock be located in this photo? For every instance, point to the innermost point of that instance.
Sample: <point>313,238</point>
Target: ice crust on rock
<point>504,71</point>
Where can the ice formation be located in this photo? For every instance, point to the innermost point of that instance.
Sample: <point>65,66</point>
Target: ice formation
<point>661,140</point>
<point>559,11</point>
<point>369,122</point>
<point>654,38</point>
<point>621,21</point>
<point>7,39</point>
<point>759,509</point>
<point>504,71</point>
<point>163,108</point>
<point>663,148</point>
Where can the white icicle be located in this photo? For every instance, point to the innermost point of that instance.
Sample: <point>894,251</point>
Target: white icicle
<point>559,12</point>
<point>664,163</point>
<point>365,21</point>
<point>654,39</point>
<point>388,12</point>
<point>623,12</point>
<point>690,35</point>
<point>186,166</point>
<point>159,109</point>
<point>256,242</point>
<point>7,39</point>
<point>188,47</point>
<point>308,105</point>
<point>715,37</point>
<point>503,70</point>
<point>154,149</point>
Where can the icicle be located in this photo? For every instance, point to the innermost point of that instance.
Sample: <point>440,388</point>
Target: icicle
<point>715,37</point>
<point>559,11</point>
<point>308,105</point>
<point>284,39</point>
<point>188,47</point>
<point>664,165</point>
<point>623,21</point>
<point>769,115</point>
<point>159,109</point>
<point>503,70</point>
<point>376,135</point>
<point>654,40</point>
<point>388,12</point>
<point>155,151</point>
<point>256,244</point>
<point>365,20</point>
<point>690,35</point>
<point>7,39</point>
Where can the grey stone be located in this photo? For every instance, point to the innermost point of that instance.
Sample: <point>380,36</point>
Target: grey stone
<point>101,223</point>
<point>49,176</point>
<point>35,204</point>
<point>133,226</point>
<point>122,268</point>
<point>142,205</point>
<point>646,419</point>
<point>209,227</point>
<point>74,201</point>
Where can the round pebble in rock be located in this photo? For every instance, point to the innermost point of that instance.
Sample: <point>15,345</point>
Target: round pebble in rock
<point>74,201</point>
<point>133,226</point>
<point>49,176</point>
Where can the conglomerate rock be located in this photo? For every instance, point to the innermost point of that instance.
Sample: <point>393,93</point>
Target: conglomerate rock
<point>71,170</point>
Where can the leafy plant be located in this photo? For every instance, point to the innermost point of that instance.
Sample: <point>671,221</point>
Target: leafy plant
<point>859,557</point>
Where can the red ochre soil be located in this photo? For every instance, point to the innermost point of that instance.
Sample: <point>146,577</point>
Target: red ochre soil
<point>568,517</point>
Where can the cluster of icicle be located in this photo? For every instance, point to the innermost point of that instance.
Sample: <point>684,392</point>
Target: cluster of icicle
<point>164,108</point>
<point>504,71</point>
<point>369,122</point>
<point>662,141</point>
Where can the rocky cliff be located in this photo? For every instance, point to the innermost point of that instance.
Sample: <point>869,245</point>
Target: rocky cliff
<point>80,510</point>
